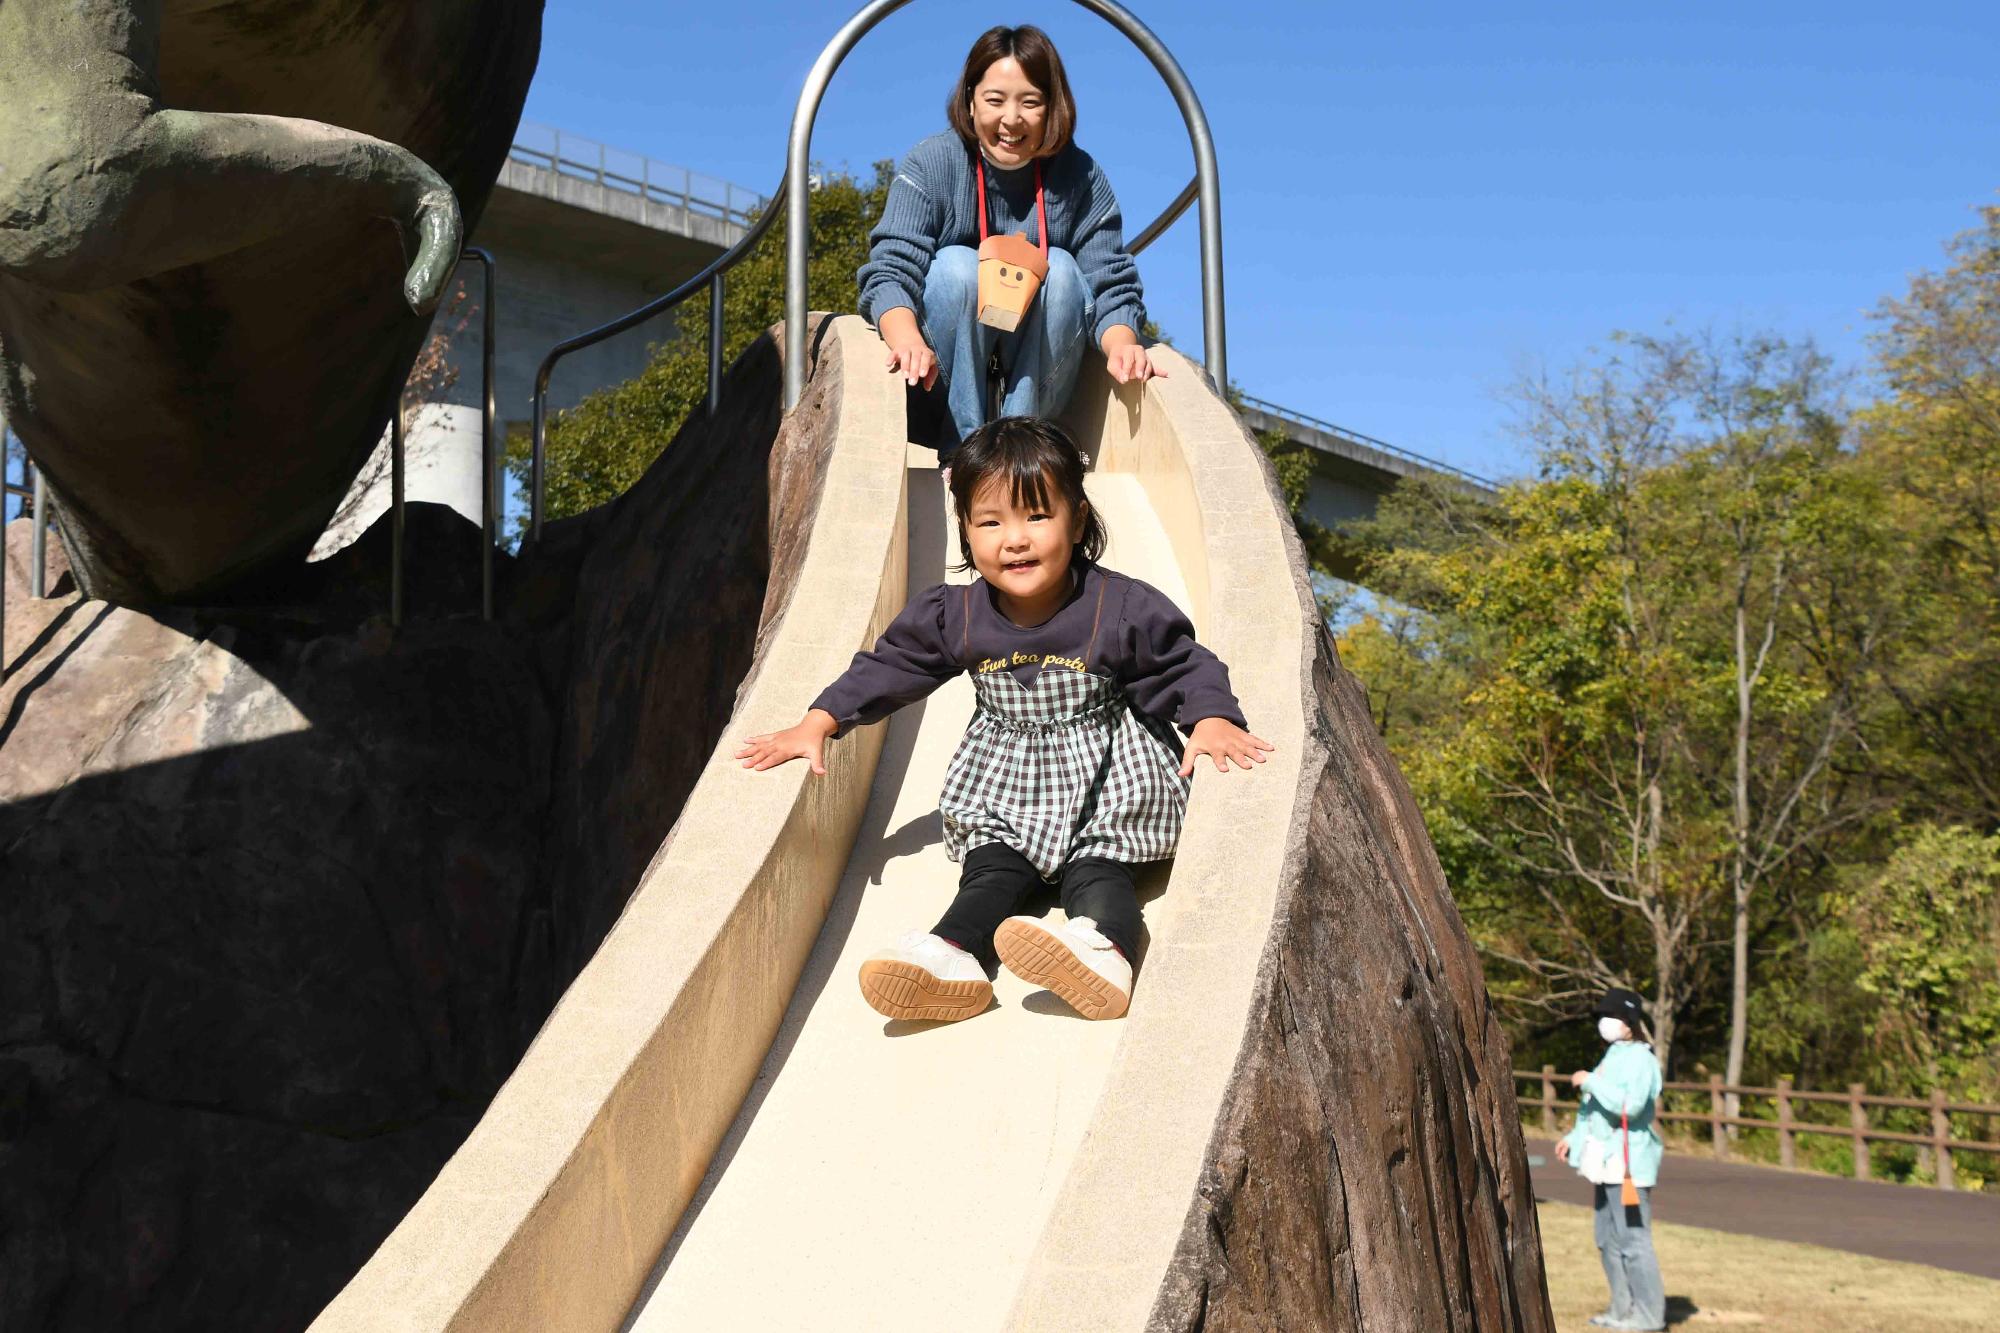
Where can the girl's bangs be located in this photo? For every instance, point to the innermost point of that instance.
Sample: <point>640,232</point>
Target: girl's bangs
<point>1030,482</point>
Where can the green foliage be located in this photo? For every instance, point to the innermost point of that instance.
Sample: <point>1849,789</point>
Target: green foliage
<point>1928,928</point>
<point>1731,663</point>
<point>600,447</point>
<point>1934,445</point>
<point>1582,695</point>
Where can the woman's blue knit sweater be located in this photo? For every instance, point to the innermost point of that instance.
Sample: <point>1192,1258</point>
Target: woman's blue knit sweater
<point>934,201</point>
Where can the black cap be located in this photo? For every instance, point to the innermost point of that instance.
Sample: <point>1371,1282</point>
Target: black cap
<point>1623,1005</point>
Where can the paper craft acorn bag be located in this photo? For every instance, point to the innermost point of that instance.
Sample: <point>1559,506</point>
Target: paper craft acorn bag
<point>1011,269</point>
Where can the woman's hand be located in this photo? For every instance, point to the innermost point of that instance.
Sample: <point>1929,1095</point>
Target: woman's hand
<point>909,354</point>
<point>1562,1151</point>
<point>1576,1079</point>
<point>806,740</point>
<point>1127,360</point>
<point>1222,740</point>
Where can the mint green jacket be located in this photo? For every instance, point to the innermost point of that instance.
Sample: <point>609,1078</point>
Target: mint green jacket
<point>1627,1079</point>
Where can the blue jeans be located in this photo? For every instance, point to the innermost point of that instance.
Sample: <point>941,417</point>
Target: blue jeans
<point>1038,361</point>
<point>1625,1244</point>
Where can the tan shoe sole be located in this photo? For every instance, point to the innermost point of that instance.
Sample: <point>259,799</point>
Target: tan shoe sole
<point>1040,958</point>
<point>904,990</point>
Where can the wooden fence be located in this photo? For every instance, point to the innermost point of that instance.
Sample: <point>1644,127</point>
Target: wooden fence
<point>1786,1123</point>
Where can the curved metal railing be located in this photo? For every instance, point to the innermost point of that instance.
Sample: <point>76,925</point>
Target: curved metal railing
<point>1206,184</point>
<point>791,200</point>
<point>710,277</point>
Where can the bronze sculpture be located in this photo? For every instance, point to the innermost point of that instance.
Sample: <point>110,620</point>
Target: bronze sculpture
<point>204,321</point>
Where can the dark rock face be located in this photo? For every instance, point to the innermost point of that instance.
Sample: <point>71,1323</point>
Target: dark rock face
<point>1368,1171</point>
<point>652,686</point>
<point>258,961</point>
<point>199,421</point>
<point>284,894</point>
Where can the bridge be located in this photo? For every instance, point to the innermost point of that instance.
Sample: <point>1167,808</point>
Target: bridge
<point>583,232</point>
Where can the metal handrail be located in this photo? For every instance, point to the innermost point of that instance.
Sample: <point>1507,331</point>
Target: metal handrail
<point>1168,217</point>
<point>710,277</point>
<point>1207,183</point>
<point>791,199</point>
<point>396,512</point>
<point>1356,437</point>
<point>489,470</point>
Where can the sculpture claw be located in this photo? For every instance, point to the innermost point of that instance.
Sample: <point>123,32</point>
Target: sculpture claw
<point>440,234</point>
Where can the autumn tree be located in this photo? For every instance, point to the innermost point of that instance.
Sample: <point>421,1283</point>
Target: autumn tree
<point>1934,444</point>
<point>1656,663</point>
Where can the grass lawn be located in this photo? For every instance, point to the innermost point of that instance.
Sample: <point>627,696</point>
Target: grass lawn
<point>1722,1280</point>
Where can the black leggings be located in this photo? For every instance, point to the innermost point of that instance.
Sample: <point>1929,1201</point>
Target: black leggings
<point>995,880</point>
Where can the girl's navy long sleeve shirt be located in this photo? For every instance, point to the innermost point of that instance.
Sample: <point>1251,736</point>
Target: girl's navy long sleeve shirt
<point>1111,625</point>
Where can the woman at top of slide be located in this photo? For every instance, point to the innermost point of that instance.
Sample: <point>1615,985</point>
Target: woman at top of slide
<point>1008,164</point>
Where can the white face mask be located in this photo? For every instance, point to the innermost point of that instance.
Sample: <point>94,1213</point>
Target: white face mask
<point>1612,1029</point>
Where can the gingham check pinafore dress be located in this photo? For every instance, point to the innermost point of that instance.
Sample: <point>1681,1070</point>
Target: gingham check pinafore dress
<point>1063,769</point>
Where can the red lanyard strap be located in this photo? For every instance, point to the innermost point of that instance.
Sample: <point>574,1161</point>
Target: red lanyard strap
<point>1041,202</point>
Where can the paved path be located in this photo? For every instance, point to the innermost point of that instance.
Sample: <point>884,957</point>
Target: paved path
<point>1958,1231</point>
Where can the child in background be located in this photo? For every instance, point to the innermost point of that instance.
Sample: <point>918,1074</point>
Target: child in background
<point>1615,1139</point>
<point>1070,770</point>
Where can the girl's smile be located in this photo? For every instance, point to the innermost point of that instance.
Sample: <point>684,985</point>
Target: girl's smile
<point>1022,549</point>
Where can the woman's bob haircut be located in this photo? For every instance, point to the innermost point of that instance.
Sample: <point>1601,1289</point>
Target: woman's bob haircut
<point>1032,50</point>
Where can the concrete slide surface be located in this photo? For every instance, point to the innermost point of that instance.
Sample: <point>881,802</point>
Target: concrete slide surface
<point>884,1173</point>
<point>714,1131</point>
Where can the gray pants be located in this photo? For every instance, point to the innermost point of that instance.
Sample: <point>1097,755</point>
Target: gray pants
<point>1625,1244</point>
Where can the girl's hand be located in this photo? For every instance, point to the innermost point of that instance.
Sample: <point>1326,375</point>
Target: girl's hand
<point>1562,1150</point>
<point>1576,1079</point>
<point>1127,360</point>
<point>1222,740</point>
<point>806,740</point>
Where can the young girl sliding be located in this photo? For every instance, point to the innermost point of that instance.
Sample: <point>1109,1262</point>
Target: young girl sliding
<point>1070,771</point>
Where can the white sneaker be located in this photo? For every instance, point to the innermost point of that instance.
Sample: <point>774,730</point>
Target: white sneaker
<point>1071,959</point>
<point>923,976</point>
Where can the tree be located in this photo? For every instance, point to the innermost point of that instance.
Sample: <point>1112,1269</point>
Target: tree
<point>1656,650</point>
<point>600,447</point>
<point>1555,788</point>
<point>1759,469</point>
<point>1934,442</point>
<point>1929,930</point>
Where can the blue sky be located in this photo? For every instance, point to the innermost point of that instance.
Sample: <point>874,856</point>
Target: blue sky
<point>1420,202</point>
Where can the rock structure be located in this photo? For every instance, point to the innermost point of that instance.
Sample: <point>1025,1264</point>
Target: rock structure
<point>1308,1124</point>
<point>287,893</point>
<point>1367,1170</point>
<point>205,314</point>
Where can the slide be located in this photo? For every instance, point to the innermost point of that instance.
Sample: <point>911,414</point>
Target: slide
<point>909,1149</point>
<point>715,1131</point>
